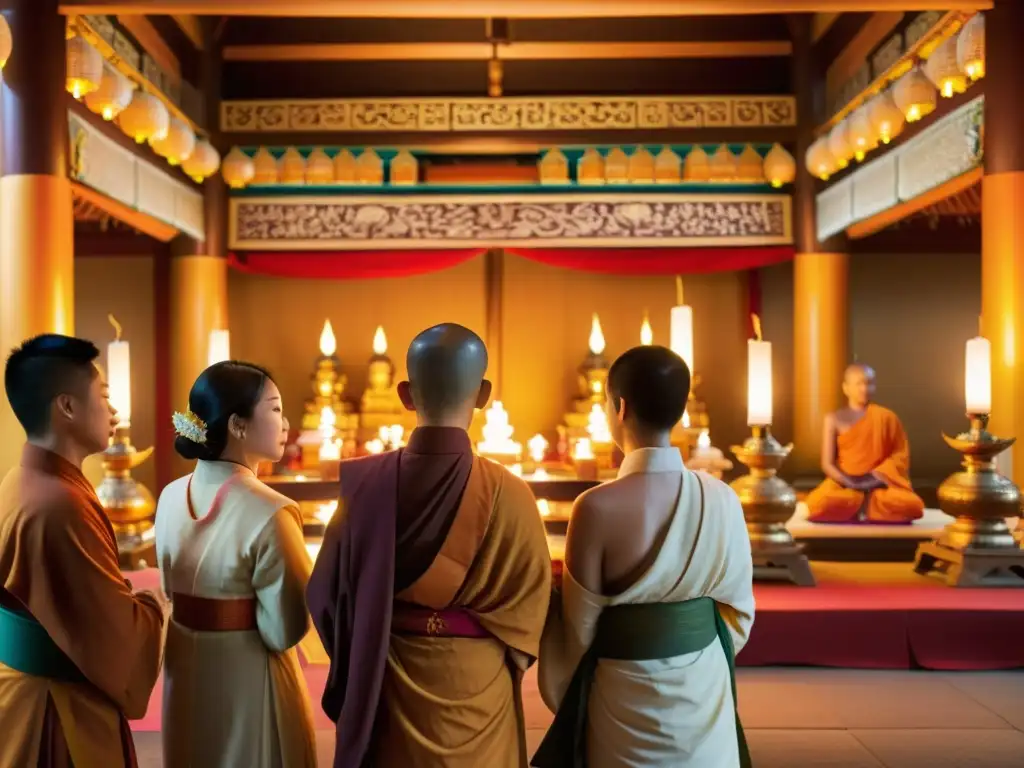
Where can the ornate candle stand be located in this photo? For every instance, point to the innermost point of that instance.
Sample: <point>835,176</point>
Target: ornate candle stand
<point>592,379</point>
<point>328,392</point>
<point>381,407</point>
<point>977,548</point>
<point>768,504</point>
<point>128,503</point>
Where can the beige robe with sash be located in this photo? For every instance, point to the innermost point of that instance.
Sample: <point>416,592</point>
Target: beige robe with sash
<point>664,713</point>
<point>235,699</point>
<point>456,702</point>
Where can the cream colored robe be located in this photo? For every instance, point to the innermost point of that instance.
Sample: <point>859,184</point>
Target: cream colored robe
<point>667,712</point>
<point>235,699</point>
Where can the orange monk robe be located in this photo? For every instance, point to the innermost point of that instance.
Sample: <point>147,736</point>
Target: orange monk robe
<point>874,445</point>
<point>456,702</point>
<point>58,561</point>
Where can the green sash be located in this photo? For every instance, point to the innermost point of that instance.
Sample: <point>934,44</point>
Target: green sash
<point>25,647</point>
<point>635,633</point>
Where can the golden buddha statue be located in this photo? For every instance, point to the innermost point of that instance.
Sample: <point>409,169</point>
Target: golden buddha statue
<point>381,408</point>
<point>328,393</point>
<point>866,460</point>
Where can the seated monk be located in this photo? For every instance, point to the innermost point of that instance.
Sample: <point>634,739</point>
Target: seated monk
<point>866,461</point>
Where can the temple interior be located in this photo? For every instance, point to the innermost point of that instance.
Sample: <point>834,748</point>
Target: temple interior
<point>776,191</point>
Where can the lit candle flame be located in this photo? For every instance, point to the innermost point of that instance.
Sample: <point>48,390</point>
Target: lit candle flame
<point>597,425</point>
<point>380,342</point>
<point>596,336</point>
<point>117,327</point>
<point>757,327</point>
<point>325,512</point>
<point>583,450</point>
<point>327,419</point>
<point>328,344</point>
<point>686,419</point>
<point>538,446</point>
<point>704,440</point>
<point>543,508</point>
<point>679,291</point>
<point>646,334</point>
<point>374,446</point>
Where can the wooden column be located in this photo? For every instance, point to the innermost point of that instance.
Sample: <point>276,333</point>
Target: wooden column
<point>820,317</point>
<point>198,270</point>
<point>36,217</point>
<point>1002,228</point>
<point>494,292</point>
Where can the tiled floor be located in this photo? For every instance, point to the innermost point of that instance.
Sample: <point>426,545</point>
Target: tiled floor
<point>843,719</point>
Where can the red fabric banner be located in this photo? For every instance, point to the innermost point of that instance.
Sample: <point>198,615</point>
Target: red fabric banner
<point>355,265</point>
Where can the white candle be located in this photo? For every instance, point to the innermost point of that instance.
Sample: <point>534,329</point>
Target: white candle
<point>759,380</point>
<point>119,380</point>
<point>680,335</point>
<point>219,347</point>
<point>978,376</point>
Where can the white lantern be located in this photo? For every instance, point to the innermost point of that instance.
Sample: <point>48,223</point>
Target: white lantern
<point>319,168</point>
<point>861,133</point>
<point>914,95</point>
<point>112,96</point>
<point>839,144</point>
<point>177,142</point>
<point>943,69</point>
<point>237,169</point>
<point>724,166</point>
<point>886,117</point>
<point>819,159</point>
<point>779,166</point>
<point>144,118</point>
<point>202,163</point>
<point>6,41</point>
<point>750,165</point>
<point>264,167</point>
<point>84,67</point>
<point>293,167</point>
<point>970,47</point>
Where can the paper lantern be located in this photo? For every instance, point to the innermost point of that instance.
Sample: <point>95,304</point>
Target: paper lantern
<point>723,164</point>
<point>177,142</point>
<point>84,67</point>
<point>144,118</point>
<point>839,144</point>
<point>861,133</point>
<point>346,169</point>
<point>6,41</point>
<point>697,166</point>
<point>750,165</point>
<point>265,169</point>
<point>668,167</point>
<point>616,166</point>
<point>970,47</point>
<point>112,96</point>
<point>779,167</point>
<point>202,163</point>
<point>819,159</point>
<point>914,95</point>
<point>237,169</point>
<point>319,168</point>
<point>292,167</point>
<point>553,167</point>
<point>369,168</point>
<point>404,169</point>
<point>885,116</point>
<point>943,69</point>
<point>641,166</point>
<point>590,167</point>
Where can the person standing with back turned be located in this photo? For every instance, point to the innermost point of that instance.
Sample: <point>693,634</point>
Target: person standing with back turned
<point>638,663</point>
<point>79,652</point>
<point>432,585</point>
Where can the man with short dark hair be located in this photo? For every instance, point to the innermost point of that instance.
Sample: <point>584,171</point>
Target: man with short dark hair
<point>432,585</point>
<point>657,589</point>
<point>79,652</point>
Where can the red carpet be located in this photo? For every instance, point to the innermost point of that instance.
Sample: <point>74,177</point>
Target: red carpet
<point>860,616</point>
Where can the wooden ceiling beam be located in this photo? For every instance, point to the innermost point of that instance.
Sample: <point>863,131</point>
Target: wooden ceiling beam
<point>514,52</point>
<point>537,9</point>
<point>821,24</point>
<point>192,27</point>
<point>151,41</point>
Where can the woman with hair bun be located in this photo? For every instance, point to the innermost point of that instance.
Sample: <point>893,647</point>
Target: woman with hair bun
<point>233,561</point>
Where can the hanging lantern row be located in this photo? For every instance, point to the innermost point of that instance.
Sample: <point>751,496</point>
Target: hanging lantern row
<point>953,64</point>
<point>141,115</point>
<point>317,168</point>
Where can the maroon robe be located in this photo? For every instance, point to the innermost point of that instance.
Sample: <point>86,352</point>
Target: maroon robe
<point>398,508</point>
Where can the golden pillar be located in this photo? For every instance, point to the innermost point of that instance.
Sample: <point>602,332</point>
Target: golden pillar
<point>1002,230</point>
<point>36,217</point>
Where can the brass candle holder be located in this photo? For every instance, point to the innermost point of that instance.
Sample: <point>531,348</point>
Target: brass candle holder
<point>977,548</point>
<point>128,503</point>
<point>768,503</point>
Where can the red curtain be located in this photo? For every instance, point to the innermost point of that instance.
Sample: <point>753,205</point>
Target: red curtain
<point>349,265</point>
<point>352,265</point>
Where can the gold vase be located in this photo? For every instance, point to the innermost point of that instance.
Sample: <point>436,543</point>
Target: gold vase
<point>768,500</point>
<point>128,503</point>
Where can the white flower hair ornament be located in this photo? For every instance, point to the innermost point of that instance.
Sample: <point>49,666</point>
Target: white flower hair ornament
<point>189,426</point>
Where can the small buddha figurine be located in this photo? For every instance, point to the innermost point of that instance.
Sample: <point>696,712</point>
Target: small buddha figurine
<point>866,461</point>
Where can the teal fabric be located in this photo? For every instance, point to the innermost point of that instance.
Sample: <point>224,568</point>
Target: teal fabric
<point>635,633</point>
<point>25,647</point>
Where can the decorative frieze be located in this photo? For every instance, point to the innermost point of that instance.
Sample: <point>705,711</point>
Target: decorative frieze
<point>332,222</point>
<point>111,169</point>
<point>835,209</point>
<point>511,114</point>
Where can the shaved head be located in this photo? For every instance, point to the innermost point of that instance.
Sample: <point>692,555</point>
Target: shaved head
<point>446,367</point>
<point>859,385</point>
<point>854,370</point>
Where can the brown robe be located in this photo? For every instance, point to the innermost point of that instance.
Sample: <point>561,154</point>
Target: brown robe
<point>58,562</point>
<point>430,701</point>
